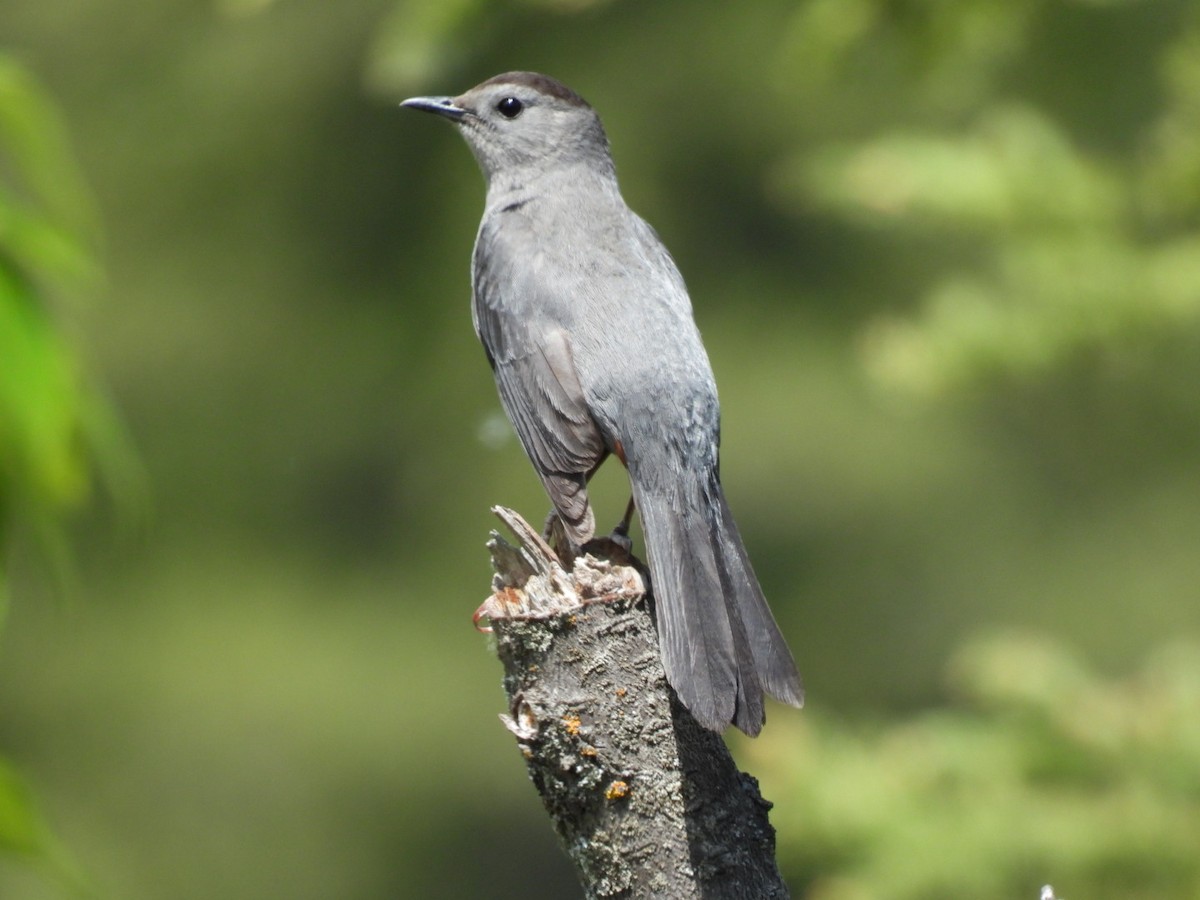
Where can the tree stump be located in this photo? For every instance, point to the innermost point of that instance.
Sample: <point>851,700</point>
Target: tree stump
<point>646,802</point>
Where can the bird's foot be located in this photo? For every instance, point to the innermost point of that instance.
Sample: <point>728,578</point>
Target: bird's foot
<point>620,538</point>
<point>617,547</point>
<point>620,534</point>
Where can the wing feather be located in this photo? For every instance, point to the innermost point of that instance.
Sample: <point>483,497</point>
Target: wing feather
<point>530,353</point>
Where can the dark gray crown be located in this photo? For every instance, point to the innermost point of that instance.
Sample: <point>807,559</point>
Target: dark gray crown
<point>543,84</point>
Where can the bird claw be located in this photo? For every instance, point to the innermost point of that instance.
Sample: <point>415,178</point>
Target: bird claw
<point>484,614</point>
<point>620,538</point>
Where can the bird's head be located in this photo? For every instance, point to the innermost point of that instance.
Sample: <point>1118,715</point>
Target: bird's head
<point>520,120</point>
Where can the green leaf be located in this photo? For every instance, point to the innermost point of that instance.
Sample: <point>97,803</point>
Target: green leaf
<point>40,448</point>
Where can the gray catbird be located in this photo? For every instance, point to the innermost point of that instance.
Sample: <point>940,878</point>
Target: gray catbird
<point>588,328</point>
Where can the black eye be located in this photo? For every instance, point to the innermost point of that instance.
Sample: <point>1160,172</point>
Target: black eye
<point>510,107</point>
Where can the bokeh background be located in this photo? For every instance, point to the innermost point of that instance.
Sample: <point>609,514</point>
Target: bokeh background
<point>946,258</point>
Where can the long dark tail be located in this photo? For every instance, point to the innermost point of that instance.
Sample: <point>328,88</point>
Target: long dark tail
<point>720,644</point>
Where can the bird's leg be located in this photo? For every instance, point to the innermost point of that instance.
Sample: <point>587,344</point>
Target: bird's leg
<point>620,534</point>
<point>617,547</point>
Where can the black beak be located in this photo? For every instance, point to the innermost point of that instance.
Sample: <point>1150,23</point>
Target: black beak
<point>442,106</point>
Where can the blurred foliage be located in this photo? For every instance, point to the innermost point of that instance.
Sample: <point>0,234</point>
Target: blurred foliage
<point>1039,771</point>
<point>54,425</point>
<point>1078,248</point>
<point>24,834</point>
<point>421,41</point>
<point>52,422</point>
<point>946,258</point>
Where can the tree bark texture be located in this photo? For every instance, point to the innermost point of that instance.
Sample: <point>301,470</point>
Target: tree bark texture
<point>646,802</point>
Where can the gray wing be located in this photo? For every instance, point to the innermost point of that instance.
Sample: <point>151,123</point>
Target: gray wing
<point>530,353</point>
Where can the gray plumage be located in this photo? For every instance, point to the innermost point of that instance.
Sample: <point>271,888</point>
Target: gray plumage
<point>588,327</point>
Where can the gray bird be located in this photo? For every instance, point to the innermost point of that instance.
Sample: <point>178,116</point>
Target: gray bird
<point>588,328</point>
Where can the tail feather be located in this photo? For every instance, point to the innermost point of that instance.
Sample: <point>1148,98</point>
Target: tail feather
<point>720,644</point>
<point>772,659</point>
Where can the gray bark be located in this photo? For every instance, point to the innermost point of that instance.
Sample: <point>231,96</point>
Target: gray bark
<point>645,801</point>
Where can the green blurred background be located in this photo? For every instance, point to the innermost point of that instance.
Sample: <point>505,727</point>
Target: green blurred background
<point>946,258</point>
